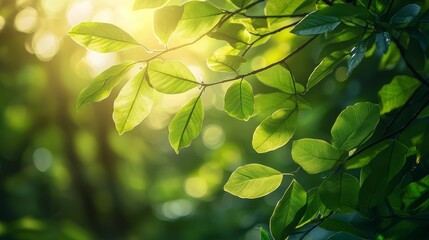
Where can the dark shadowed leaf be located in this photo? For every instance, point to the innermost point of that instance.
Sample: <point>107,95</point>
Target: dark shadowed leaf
<point>340,192</point>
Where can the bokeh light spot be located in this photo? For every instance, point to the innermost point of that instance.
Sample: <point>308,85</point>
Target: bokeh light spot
<point>341,74</point>
<point>79,12</point>
<point>52,7</point>
<point>45,45</point>
<point>26,20</point>
<point>176,208</point>
<point>213,136</point>
<point>2,22</point>
<point>196,187</point>
<point>42,159</point>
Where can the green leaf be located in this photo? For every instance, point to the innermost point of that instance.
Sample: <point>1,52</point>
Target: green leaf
<point>314,208</point>
<point>405,14</point>
<point>275,131</point>
<point>234,33</point>
<point>198,18</point>
<point>376,176</point>
<point>145,4</point>
<point>337,225</point>
<point>382,41</point>
<point>356,56</point>
<point>354,125</point>
<point>166,20</point>
<point>133,104</point>
<point>186,124</point>
<point>343,236</point>
<point>103,84</point>
<point>339,192</point>
<point>314,155</point>
<point>326,67</point>
<point>390,59</point>
<point>225,59</point>
<point>267,103</point>
<point>288,211</point>
<point>415,195</point>
<point>396,93</point>
<point>102,37</point>
<point>281,7</point>
<point>365,157</point>
<point>280,78</point>
<point>170,77</point>
<point>241,3</point>
<point>253,181</point>
<point>264,234</point>
<point>239,100</point>
<point>315,23</point>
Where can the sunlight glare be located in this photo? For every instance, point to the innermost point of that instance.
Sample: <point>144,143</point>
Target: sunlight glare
<point>99,62</point>
<point>26,20</point>
<point>79,12</point>
<point>45,45</point>
<point>52,7</point>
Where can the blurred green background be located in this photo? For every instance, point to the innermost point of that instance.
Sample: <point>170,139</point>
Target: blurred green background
<point>69,175</point>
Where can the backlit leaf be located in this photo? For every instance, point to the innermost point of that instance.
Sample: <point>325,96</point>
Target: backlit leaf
<point>354,125</point>
<point>288,211</point>
<point>103,84</point>
<point>225,59</point>
<point>145,4</point>
<point>239,100</point>
<point>102,37</point>
<point>234,33</point>
<point>326,67</point>
<point>253,181</point>
<point>365,157</point>
<point>280,78</point>
<point>275,131</point>
<point>281,7</point>
<point>165,21</point>
<point>186,124</point>
<point>170,77</point>
<point>133,104</point>
<point>340,192</point>
<point>396,93</point>
<point>314,155</point>
<point>315,23</point>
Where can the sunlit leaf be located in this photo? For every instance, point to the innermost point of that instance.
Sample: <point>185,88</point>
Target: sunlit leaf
<point>315,23</point>
<point>365,157</point>
<point>280,78</point>
<point>314,155</point>
<point>281,7</point>
<point>267,103</point>
<point>144,4</point>
<point>234,33</point>
<point>102,37</point>
<point>406,14</point>
<point>165,21</point>
<point>354,125</point>
<point>239,100</point>
<point>225,59</point>
<point>326,67</point>
<point>133,104</point>
<point>275,131</point>
<point>288,211</point>
<point>340,192</point>
<point>186,124</point>
<point>170,77</point>
<point>396,93</point>
<point>103,84</point>
<point>264,234</point>
<point>198,18</point>
<point>241,3</point>
<point>253,181</point>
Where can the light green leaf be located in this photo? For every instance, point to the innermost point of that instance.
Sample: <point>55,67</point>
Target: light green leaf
<point>281,7</point>
<point>239,100</point>
<point>133,104</point>
<point>225,59</point>
<point>326,67</point>
<point>165,21</point>
<point>275,131</point>
<point>170,77</point>
<point>198,18</point>
<point>365,157</point>
<point>315,23</point>
<point>354,125</point>
<point>396,93</point>
<point>314,155</point>
<point>288,211</point>
<point>356,56</point>
<point>234,33</point>
<point>102,37</point>
<point>267,103</point>
<point>186,124</point>
<point>241,3</point>
<point>103,84</point>
<point>145,4</point>
<point>253,181</point>
<point>339,192</point>
<point>405,14</point>
<point>280,78</point>
<point>264,234</point>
